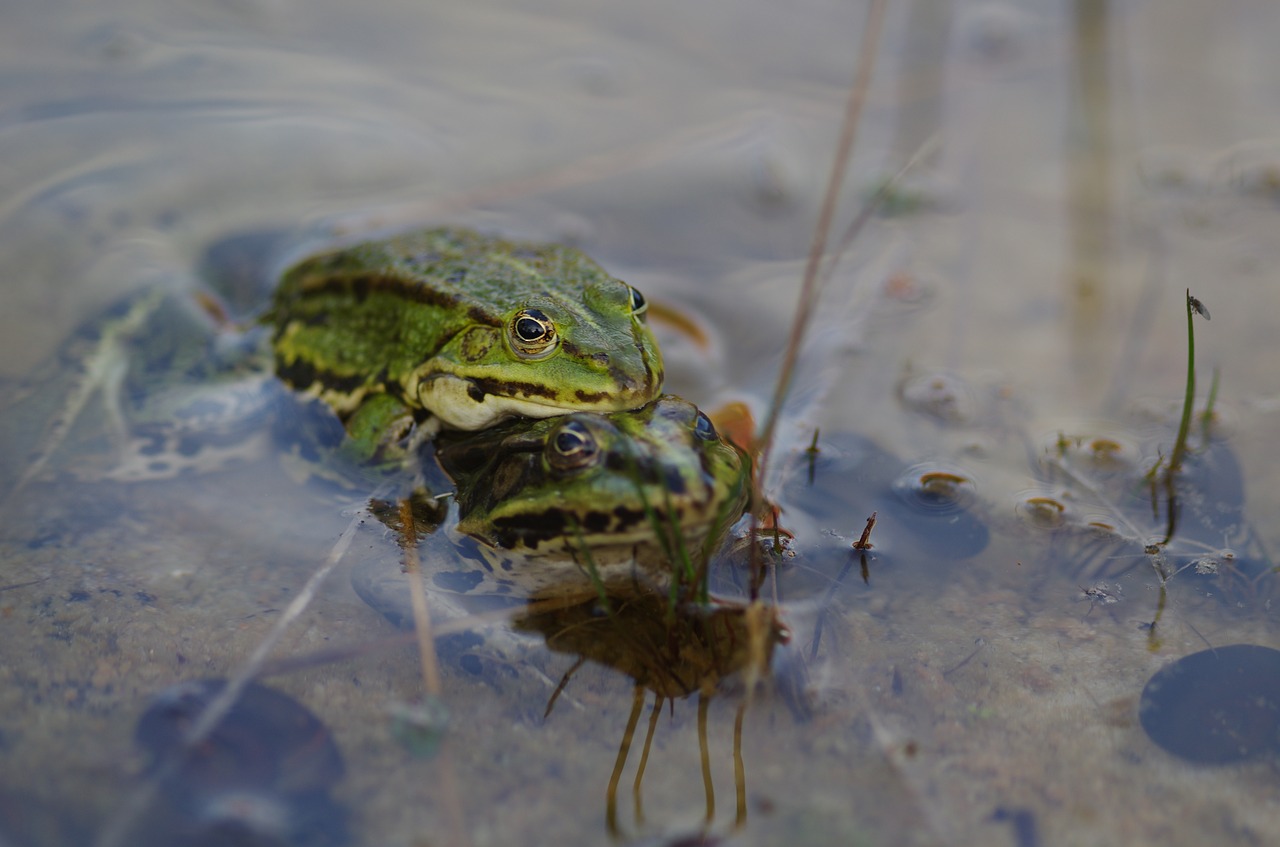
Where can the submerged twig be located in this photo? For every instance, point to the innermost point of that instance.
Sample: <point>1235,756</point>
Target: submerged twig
<point>418,601</point>
<point>451,797</point>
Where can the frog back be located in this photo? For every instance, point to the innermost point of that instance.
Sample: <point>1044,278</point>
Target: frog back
<point>470,328</point>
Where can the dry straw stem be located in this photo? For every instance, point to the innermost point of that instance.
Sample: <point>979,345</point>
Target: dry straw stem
<point>811,286</point>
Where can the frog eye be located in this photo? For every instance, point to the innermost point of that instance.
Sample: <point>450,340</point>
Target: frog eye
<point>638,304</point>
<point>705,429</point>
<point>572,447</point>
<point>533,335</point>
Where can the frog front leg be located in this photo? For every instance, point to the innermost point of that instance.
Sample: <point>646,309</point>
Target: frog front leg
<point>382,434</point>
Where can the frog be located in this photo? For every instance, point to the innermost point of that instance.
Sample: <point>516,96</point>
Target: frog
<point>392,338</point>
<point>585,505</point>
<point>465,329</point>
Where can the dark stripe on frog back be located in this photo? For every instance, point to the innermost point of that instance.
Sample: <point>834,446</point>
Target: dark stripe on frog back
<point>361,286</point>
<point>533,529</point>
<point>302,375</point>
<point>306,300</point>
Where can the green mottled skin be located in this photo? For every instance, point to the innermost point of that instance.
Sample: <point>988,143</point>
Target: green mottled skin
<point>544,525</point>
<point>516,492</point>
<point>429,319</point>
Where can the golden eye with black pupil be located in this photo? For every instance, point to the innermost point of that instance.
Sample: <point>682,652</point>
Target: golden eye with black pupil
<point>532,333</point>
<point>572,447</point>
<point>638,304</point>
<point>704,428</point>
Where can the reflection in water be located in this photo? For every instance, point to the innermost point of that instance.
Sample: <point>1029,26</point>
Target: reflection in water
<point>673,652</point>
<point>1089,154</point>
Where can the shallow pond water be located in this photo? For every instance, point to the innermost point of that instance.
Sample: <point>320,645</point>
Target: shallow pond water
<point>1014,318</point>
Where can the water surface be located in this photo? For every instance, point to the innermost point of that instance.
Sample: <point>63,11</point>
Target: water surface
<point>1093,161</point>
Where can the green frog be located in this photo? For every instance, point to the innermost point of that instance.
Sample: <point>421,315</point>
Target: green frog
<point>444,325</point>
<point>466,328</point>
<point>575,506</point>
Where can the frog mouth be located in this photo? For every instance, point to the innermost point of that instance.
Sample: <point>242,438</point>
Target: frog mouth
<point>470,403</point>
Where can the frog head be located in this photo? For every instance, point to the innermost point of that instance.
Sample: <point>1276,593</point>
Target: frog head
<point>553,352</point>
<point>555,486</point>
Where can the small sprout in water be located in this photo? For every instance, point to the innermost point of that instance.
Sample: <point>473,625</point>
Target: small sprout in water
<point>864,543</point>
<point>811,452</point>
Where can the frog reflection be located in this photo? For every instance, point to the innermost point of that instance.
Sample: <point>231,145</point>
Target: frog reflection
<point>673,651</point>
<point>571,516</point>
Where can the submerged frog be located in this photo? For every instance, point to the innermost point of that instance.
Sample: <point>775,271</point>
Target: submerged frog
<point>176,392</point>
<point>467,328</point>
<point>567,507</point>
<point>444,324</point>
